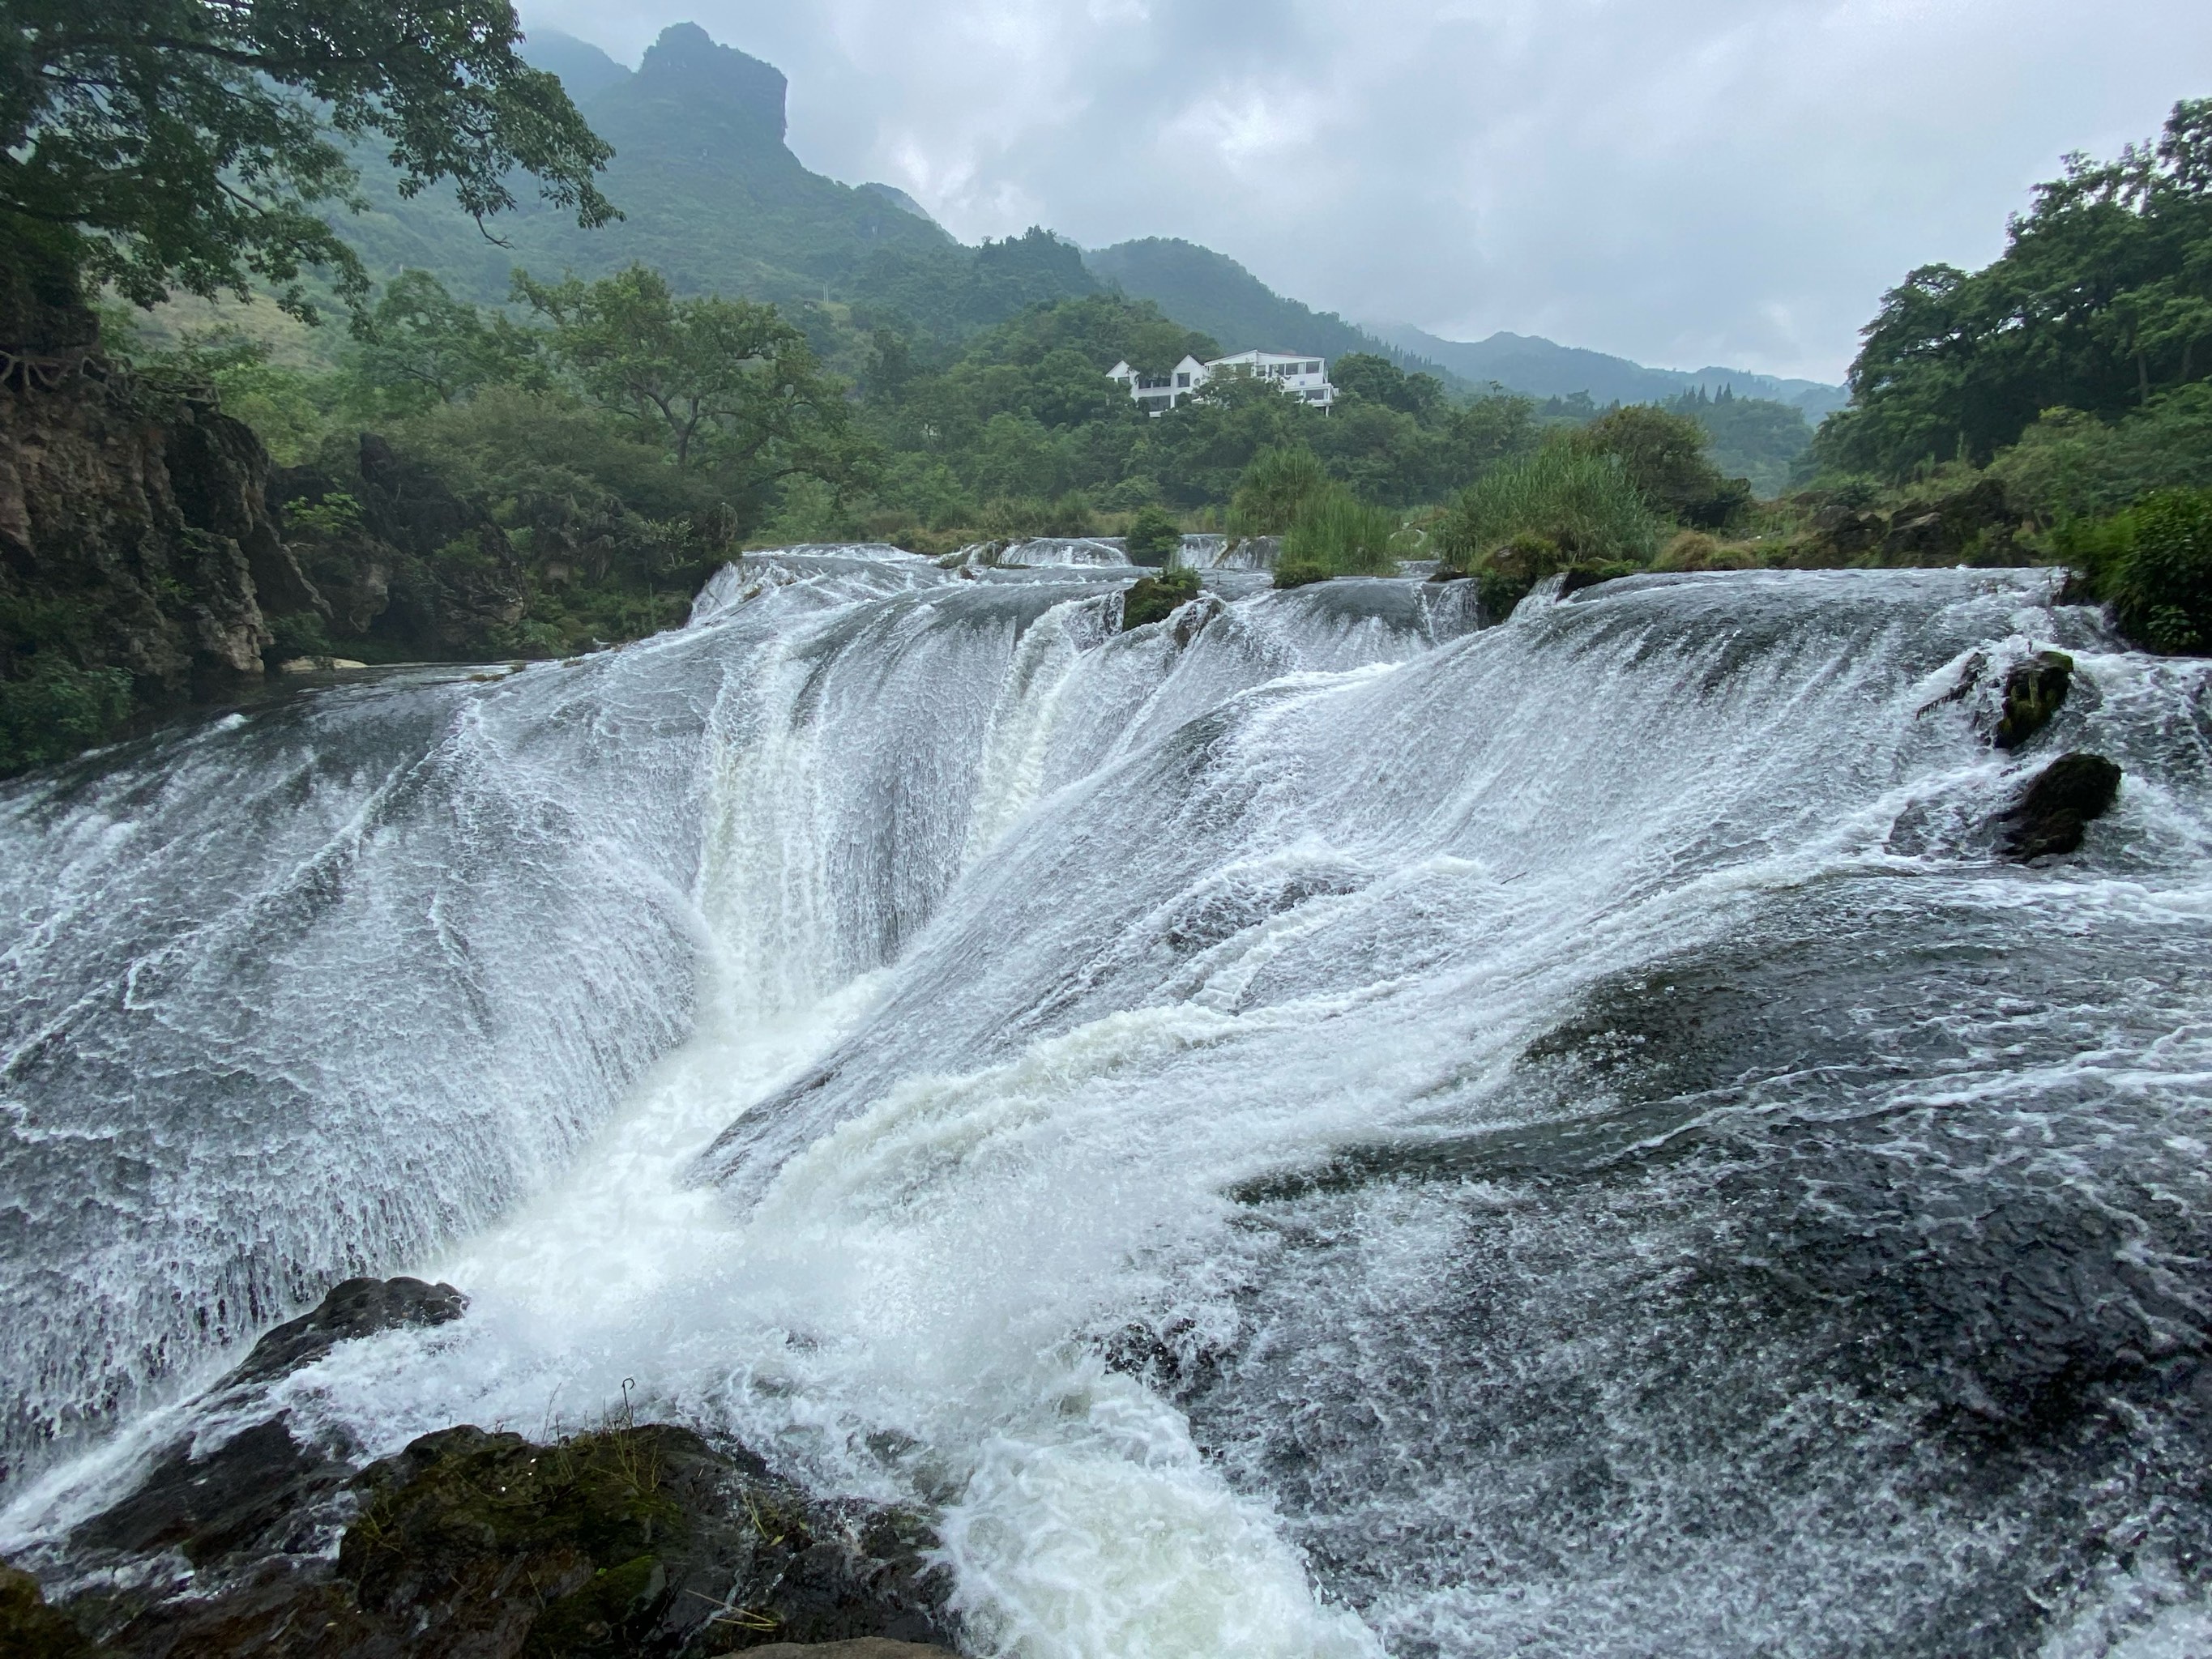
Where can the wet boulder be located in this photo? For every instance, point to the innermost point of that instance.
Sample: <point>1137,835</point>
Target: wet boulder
<point>2053,813</point>
<point>631,1540</point>
<point>640,1540</point>
<point>359,1307</point>
<point>261,1493</point>
<point>2034,690</point>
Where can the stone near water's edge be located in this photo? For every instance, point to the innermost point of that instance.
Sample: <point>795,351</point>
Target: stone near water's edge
<point>358,1307</point>
<point>2034,690</point>
<point>469,1545</point>
<point>29,1629</point>
<point>2053,813</point>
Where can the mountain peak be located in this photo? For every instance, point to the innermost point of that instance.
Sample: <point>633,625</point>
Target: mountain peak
<point>688,63</point>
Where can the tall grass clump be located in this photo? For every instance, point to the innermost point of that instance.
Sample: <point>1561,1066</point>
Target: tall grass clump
<point>1339,535</point>
<point>1281,484</point>
<point>1558,508</point>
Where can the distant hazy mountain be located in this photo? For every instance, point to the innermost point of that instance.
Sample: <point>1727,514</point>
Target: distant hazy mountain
<point>1541,368</point>
<point>1212,293</point>
<point>712,196</point>
<point>584,69</point>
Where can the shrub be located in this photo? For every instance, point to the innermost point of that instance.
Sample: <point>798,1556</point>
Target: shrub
<point>1152,598</point>
<point>1282,483</point>
<point>1582,504</point>
<point>2164,592</point>
<point>1339,535</point>
<point>1693,549</point>
<point>55,708</point>
<point>1153,537</point>
<point>331,515</point>
<point>297,633</point>
<point>1663,454</point>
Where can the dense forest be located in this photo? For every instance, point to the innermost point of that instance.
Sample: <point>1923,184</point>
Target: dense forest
<point>478,455</point>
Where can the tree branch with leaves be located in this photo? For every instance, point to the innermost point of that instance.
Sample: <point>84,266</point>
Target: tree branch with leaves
<point>199,144</point>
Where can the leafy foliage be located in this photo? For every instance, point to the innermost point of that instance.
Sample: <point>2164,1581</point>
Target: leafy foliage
<point>1281,484</point>
<point>1662,455</point>
<point>1154,598</point>
<point>2101,299</point>
<point>194,144</point>
<point>721,382</point>
<point>2154,562</point>
<point>1153,537</point>
<point>1753,438</point>
<point>419,346</point>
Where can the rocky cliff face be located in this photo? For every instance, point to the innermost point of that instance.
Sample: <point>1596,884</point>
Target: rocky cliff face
<point>142,535</point>
<point>134,530</point>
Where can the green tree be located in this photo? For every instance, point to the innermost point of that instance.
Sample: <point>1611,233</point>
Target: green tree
<point>1153,537</point>
<point>158,144</point>
<point>421,346</point>
<point>1662,456</point>
<point>1364,377</point>
<point>2101,299</point>
<point>725,383</point>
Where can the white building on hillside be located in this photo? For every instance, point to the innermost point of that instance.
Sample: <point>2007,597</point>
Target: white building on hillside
<point>1306,377</point>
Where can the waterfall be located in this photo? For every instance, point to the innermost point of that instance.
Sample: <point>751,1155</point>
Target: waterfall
<point>1308,1128</point>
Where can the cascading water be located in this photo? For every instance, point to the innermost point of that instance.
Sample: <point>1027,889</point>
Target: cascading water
<point>1303,1128</point>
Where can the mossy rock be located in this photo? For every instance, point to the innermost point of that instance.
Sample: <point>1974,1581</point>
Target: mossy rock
<point>1301,572</point>
<point>641,1540</point>
<point>29,1629</point>
<point>1154,598</point>
<point>2034,690</point>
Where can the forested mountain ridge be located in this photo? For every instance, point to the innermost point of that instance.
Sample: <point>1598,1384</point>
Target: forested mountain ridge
<point>1544,368</point>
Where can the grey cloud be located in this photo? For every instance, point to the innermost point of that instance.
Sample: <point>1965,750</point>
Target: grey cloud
<point>1683,182</point>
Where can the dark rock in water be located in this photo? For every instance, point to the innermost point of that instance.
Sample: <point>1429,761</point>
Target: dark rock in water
<point>1970,675</point>
<point>641,1541</point>
<point>2034,691</point>
<point>259,1494</point>
<point>29,1629</point>
<point>359,1307</point>
<point>2055,809</point>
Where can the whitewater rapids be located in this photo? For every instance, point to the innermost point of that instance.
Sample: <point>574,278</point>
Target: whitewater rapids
<point>1313,1128</point>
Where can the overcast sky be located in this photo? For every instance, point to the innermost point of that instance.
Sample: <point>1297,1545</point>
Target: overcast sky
<point>1683,182</point>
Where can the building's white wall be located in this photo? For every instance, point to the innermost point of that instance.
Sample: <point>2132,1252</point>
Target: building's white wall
<point>1307,376</point>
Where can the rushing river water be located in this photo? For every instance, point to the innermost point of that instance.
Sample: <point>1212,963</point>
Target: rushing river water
<point>1308,1128</point>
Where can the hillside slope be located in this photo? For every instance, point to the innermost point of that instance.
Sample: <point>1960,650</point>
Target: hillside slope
<point>1212,293</point>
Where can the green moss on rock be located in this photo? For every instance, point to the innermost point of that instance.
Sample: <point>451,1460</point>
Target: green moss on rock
<point>2034,690</point>
<point>29,1629</point>
<point>1154,598</point>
